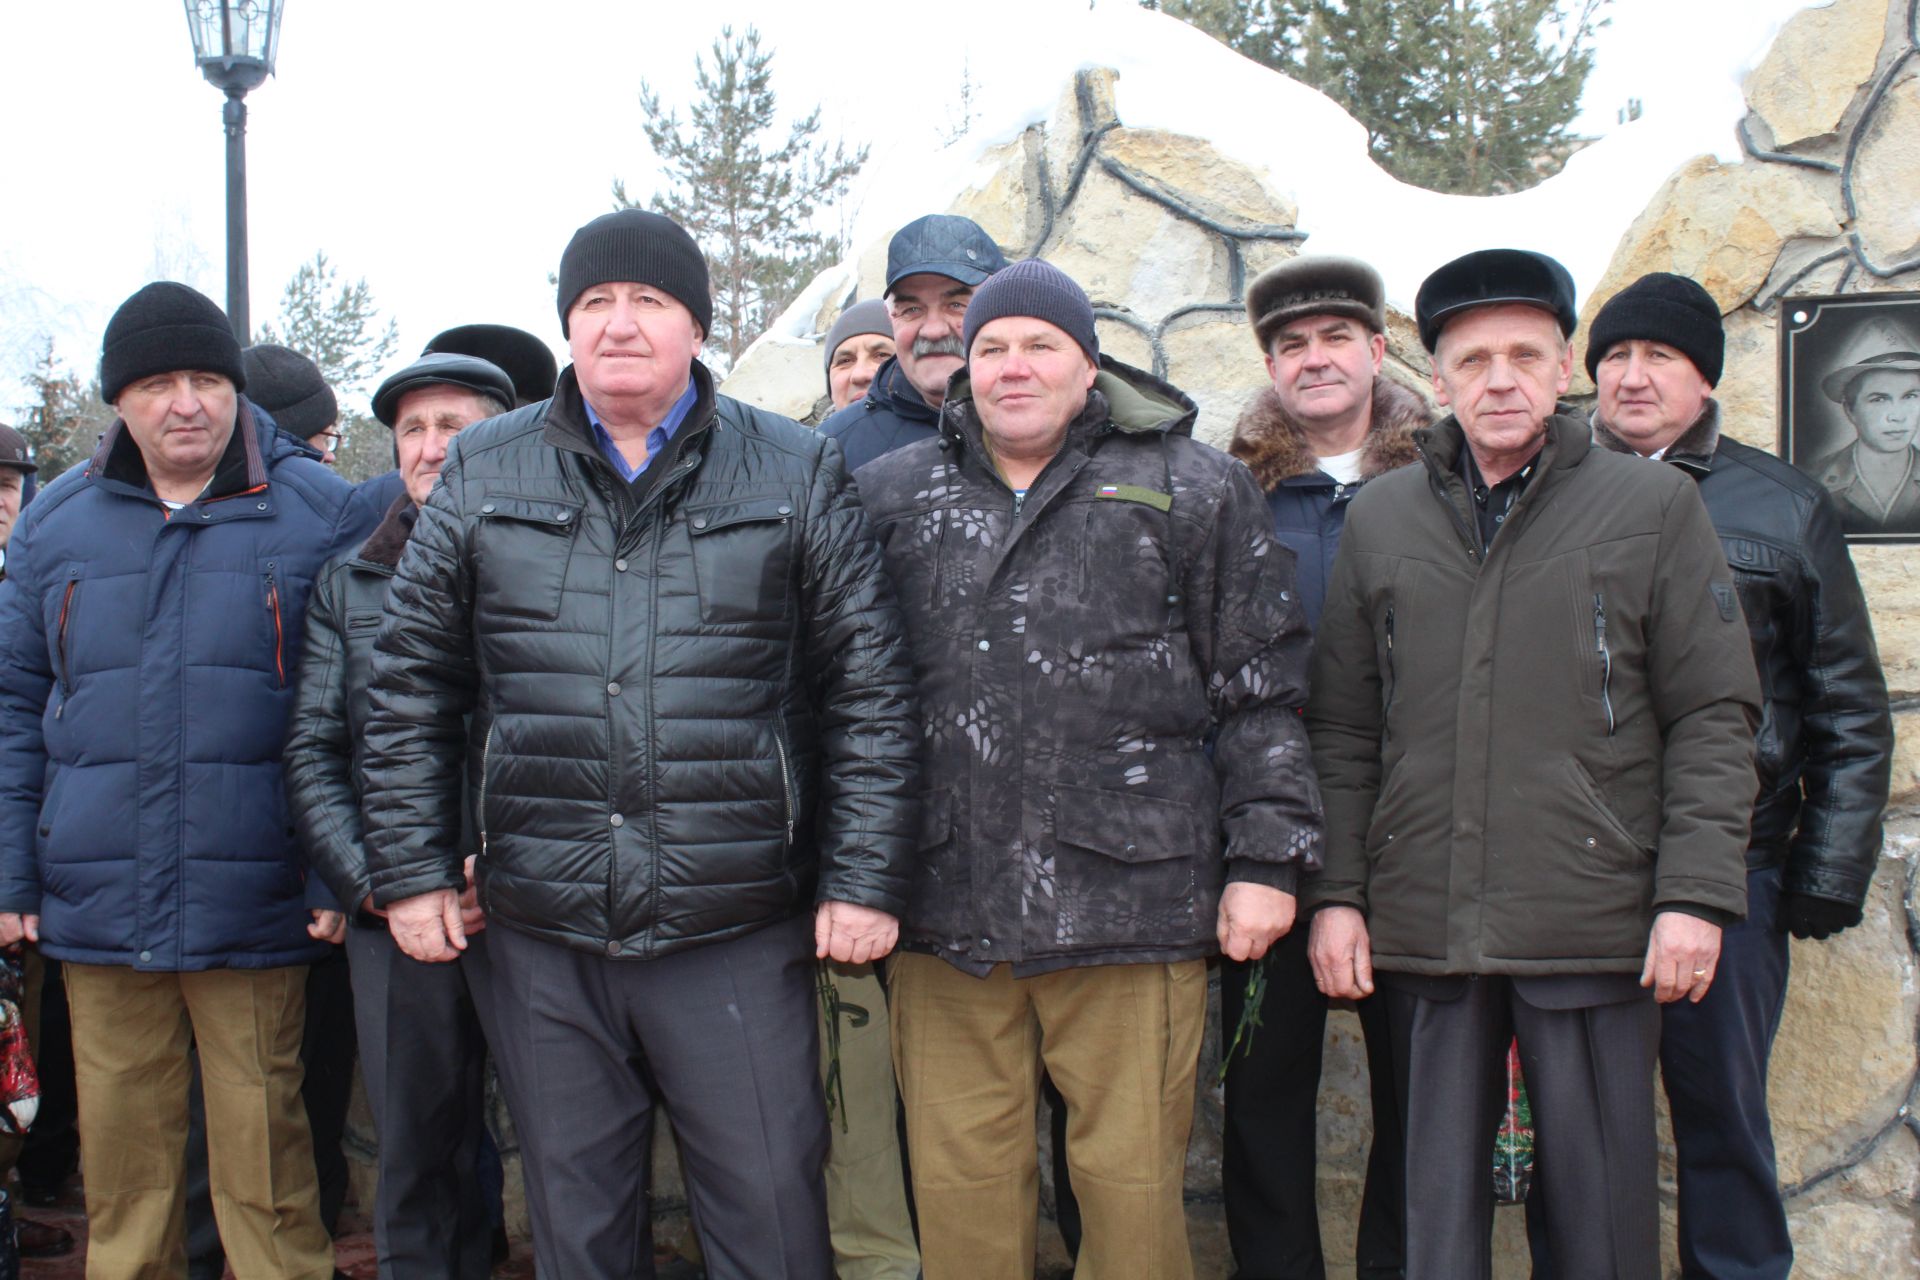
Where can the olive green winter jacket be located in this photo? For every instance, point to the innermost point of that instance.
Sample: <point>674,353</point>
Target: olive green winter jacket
<point>1527,751</point>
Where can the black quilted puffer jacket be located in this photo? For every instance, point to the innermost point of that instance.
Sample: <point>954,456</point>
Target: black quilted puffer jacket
<point>685,707</point>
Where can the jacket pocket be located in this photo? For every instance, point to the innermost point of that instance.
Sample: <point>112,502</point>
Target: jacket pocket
<point>1126,867</point>
<point>523,546</point>
<point>785,757</point>
<point>743,558</point>
<point>62,654</point>
<point>1611,835</point>
<point>278,624</point>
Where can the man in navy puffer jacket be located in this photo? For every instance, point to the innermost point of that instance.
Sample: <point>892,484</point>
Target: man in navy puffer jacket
<point>149,633</point>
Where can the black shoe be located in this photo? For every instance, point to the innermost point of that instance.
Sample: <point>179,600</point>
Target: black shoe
<point>42,1239</point>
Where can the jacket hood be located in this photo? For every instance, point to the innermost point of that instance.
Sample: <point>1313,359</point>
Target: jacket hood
<point>1135,401</point>
<point>1275,448</point>
<point>1693,449</point>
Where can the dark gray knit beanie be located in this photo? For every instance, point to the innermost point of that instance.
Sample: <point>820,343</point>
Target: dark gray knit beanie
<point>1038,289</point>
<point>1665,308</point>
<point>645,248</point>
<point>289,387</point>
<point>166,327</point>
<point>860,318</point>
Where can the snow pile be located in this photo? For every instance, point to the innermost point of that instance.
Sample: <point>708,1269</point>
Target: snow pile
<point>1685,63</point>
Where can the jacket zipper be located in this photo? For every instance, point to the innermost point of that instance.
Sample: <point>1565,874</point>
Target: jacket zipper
<point>786,780</point>
<point>279,635</point>
<point>1606,658</point>
<point>480,801</point>
<point>1386,712</point>
<point>66,676</point>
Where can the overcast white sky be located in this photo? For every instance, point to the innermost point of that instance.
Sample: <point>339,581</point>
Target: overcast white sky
<point>445,151</point>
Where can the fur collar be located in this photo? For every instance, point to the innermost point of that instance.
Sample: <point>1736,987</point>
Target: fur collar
<point>384,545</point>
<point>1694,448</point>
<point>1275,447</point>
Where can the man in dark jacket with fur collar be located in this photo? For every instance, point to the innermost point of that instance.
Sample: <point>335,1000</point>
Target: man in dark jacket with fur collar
<point>1825,755</point>
<point>1091,597</point>
<point>419,1024</point>
<point>1330,422</point>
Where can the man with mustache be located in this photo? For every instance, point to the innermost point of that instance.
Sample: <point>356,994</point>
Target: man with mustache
<point>933,266</point>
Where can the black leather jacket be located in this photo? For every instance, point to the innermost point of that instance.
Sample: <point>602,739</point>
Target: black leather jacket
<point>691,702</point>
<point>1825,746</point>
<point>329,721</point>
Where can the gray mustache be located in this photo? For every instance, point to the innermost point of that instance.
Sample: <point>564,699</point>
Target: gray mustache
<point>947,346</point>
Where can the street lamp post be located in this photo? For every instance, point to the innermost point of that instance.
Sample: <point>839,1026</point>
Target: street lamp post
<point>234,44</point>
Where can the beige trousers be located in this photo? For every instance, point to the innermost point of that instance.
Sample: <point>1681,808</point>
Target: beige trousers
<point>1122,1043</point>
<point>131,1032</point>
<point>866,1189</point>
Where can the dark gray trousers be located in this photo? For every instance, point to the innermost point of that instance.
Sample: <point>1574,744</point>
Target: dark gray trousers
<point>1589,1069</point>
<point>726,1033</point>
<point>422,1054</point>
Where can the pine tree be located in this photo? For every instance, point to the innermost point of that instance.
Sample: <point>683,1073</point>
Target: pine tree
<point>64,418</point>
<point>337,326</point>
<point>748,202</point>
<point>1467,96</point>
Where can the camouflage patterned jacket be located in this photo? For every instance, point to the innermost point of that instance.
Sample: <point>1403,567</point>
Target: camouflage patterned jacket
<point>1074,659</point>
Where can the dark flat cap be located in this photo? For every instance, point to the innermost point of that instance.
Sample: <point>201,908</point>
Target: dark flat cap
<point>1491,277</point>
<point>441,370</point>
<point>290,388</point>
<point>1316,285</point>
<point>526,359</point>
<point>944,244</point>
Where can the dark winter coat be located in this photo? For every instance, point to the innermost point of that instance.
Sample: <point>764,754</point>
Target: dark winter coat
<point>1825,747</point>
<point>890,416</point>
<point>328,728</point>
<point>684,706</point>
<point>146,674</point>
<point>1527,753</point>
<point>1309,507</point>
<point>1072,661</point>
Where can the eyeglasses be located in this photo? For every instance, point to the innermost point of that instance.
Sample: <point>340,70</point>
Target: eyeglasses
<point>327,441</point>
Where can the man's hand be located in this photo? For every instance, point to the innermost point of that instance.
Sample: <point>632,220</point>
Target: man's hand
<point>1341,953</point>
<point>472,918</point>
<point>852,934</point>
<point>1681,957</point>
<point>328,926</point>
<point>427,926</point>
<point>15,928</point>
<point>1252,918</point>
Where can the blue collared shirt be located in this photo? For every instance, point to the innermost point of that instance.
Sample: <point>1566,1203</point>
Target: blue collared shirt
<point>656,438</point>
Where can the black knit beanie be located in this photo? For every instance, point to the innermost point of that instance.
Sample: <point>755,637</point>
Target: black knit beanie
<point>1662,307</point>
<point>289,387</point>
<point>1038,289</point>
<point>645,248</point>
<point>164,327</point>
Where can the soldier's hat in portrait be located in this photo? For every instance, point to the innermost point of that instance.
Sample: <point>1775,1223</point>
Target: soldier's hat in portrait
<point>1315,285</point>
<point>1494,277</point>
<point>1880,346</point>
<point>526,359</point>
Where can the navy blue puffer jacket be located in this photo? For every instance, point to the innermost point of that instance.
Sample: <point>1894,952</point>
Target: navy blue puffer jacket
<point>146,672</point>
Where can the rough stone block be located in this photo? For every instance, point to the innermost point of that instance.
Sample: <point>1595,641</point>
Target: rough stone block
<point>1886,175</point>
<point>1816,65</point>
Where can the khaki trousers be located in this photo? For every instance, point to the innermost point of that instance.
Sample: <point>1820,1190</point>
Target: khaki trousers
<point>1122,1043</point>
<point>131,1033</point>
<point>866,1190</point>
